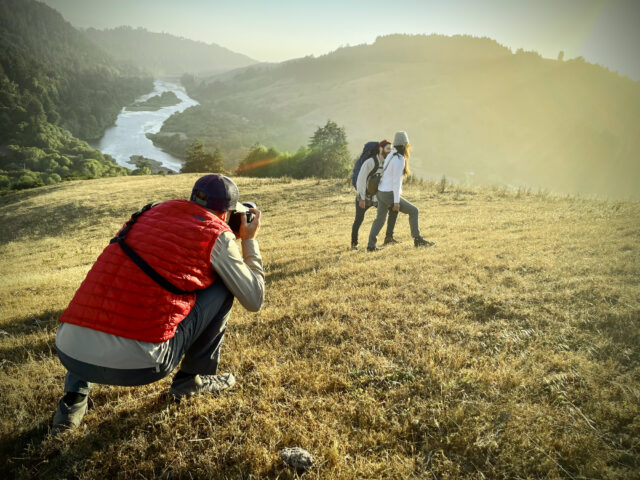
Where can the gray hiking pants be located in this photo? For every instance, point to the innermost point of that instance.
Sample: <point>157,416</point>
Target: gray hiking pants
<point>385,204</point>
<point>198,339</point>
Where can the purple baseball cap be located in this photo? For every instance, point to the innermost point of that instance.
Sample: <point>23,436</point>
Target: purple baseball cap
<point>217,192</point>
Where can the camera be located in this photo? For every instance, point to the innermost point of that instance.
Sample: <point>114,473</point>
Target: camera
<point>235,219</point>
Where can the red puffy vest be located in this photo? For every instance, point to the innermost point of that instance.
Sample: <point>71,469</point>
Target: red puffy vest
<point>117,297</point>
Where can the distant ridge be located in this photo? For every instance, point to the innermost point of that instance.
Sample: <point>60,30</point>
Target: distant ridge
<point>474,110</point>
<point>163,54</point>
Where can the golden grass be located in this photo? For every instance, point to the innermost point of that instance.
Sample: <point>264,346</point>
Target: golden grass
<point>508,351</point>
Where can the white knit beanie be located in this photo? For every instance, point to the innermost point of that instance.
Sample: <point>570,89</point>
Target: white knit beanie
<point>401,138</point>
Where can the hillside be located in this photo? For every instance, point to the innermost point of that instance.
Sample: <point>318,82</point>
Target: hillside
<point>468,104</point>
<point>50,68</point>
<point>163,54</point>
<point>510,350</point>
<point>57,90</point>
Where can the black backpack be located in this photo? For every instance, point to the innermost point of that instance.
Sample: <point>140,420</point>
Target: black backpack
<point>370,150</point>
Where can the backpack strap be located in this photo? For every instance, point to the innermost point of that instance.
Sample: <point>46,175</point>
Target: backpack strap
<point>375,168</point>
<point>389,163</point>
<point>138,260</point>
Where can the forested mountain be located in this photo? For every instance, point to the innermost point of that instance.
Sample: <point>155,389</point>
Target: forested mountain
<point>55,85</point>
<point>165,54</point>
<point>472,108</point>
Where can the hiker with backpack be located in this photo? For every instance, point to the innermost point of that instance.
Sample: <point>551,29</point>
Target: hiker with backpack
<point>367,167</point>
<point>389,191</point>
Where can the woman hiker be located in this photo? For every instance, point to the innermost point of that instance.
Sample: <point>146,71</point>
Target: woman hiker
<point>396,165</point>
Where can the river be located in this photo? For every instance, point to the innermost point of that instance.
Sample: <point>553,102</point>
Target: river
<point>128,136</point>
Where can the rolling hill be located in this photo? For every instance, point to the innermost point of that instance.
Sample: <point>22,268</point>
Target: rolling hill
<point>474,111</point>
<point>510,350</point>
<point>163,54</point>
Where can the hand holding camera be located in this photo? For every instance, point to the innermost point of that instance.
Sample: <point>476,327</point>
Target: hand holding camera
<point>245,225</point>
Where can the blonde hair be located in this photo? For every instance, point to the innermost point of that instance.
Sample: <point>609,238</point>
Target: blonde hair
<point>405,151</point>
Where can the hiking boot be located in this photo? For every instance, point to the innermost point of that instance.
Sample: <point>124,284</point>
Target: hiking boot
<point>354,246</point>
<point>197,384</point>
<point>390,241</point>
<point>421,242</point>
<point>373,249</point>
<point>69,416</point>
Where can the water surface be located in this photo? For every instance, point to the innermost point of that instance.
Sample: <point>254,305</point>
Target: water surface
<point>128,136</point>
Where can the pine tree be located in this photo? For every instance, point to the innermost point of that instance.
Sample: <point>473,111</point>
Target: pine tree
<point>215,162</point>
<point>329,156</point>
<point>331,135</point>
<point>198,160</point>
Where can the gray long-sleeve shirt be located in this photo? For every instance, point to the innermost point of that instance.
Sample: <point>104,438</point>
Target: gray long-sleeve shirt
<point>242,275</point>
<point>361,182</point>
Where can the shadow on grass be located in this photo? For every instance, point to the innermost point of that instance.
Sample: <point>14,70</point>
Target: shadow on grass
<point>31,323</point>
<point>482,309</point>
<point>34,454</point>
<point>55,219</point>
<point>17,450</point>
<point>283,270</point>
<point>45,220</point>
<point>621,328</point>
<point>22,195</point>
<point>15,355</point>
<point>283,273</point>
<point>19,355</point>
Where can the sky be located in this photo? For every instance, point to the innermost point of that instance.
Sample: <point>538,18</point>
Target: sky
<point>602,31</point>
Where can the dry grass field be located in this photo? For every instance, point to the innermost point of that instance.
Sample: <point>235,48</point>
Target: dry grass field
<point>510,350</point>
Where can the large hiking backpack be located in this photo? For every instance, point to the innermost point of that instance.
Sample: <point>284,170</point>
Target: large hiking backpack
<point>370,149</point>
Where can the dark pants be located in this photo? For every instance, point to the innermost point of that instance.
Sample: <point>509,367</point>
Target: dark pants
<point>198,339</point>
<point>391,224</point>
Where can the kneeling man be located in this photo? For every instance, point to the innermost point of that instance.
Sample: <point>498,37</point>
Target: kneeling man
<point>159,296</point>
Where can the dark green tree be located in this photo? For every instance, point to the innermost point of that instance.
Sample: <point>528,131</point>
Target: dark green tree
<point>142,170</point>
<point>331,135</point>
<point>199,160</point>
<point>143,167</point>
<point>329,156</point>
<point>215,162</point>
<point>27,179</point>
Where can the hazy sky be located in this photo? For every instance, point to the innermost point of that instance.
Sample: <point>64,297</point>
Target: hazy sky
<point>602,31</point>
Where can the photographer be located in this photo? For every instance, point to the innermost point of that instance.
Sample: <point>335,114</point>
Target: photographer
<point>159,295</point>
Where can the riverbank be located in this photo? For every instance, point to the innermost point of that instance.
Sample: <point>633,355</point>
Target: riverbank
<point>165,99</point>
<point>154,166</point>
<point>129,134</point>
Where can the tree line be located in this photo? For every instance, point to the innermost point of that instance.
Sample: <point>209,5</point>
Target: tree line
<point>325,156</point>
